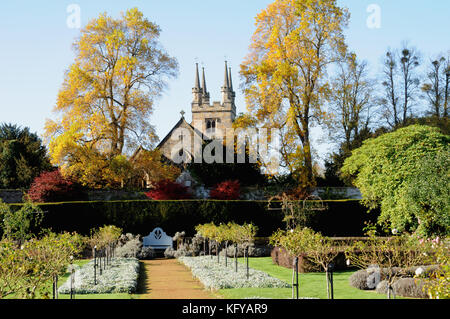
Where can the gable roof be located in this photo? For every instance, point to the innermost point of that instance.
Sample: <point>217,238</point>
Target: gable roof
<point>164,140</point>
<point>179,123</point>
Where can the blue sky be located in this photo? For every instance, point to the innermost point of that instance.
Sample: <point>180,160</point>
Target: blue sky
<point>36,46</point>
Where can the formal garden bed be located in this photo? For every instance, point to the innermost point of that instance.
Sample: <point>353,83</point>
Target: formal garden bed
<point>215,275</point>
<point>119,276</point>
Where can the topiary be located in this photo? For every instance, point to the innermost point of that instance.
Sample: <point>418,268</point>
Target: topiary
<point>359,279</point>
<point>405,287</point>
<point>409,287</point>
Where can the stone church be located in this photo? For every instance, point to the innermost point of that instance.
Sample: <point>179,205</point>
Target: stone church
<point>207,118</point>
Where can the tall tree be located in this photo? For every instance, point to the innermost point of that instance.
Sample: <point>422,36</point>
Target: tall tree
<point>108,92</point>
<point>22,156</point>
<point>284,72</point>
<point>351,99</point>
<point>390,166</point>
<point>438,85</point>
<point>401,83</point>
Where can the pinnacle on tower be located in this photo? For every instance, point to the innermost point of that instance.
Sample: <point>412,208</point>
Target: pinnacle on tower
<point>203,82</point>
<point>197,79</point>
<point>205,94</point>
<point>230,81</point>
<point>226,92</point>
<point>226,82</point>
<point>197,90</point>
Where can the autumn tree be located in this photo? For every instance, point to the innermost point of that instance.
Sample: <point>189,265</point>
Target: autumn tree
<point>285,73</point>
<point>108,94</point>
<point>151,166</point>
<point>53,187</point>
<point>401,83</point>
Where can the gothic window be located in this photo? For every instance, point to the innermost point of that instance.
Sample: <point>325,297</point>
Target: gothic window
<point>211,125</point>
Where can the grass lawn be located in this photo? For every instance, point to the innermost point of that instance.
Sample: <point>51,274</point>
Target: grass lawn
<point>310,284</point>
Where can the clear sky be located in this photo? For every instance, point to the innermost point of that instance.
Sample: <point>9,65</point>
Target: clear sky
<point>36,46</point>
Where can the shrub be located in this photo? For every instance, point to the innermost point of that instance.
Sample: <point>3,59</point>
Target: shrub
<point>27,272</point>
<point>167,190</point>
<point>186,249</point>
<point>53,187</point>
<point>130,246</point>
<point>359,279</point>
<point>227,190</point>
<point>105,236</point>
<point>18,225</point>
<point>409,287</point>
<point>398,172</point>
<point>405,287</point>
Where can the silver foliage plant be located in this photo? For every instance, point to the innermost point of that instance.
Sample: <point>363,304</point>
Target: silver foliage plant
<point>120,276</point>
<point>215,275</point>
<point>130,246</point>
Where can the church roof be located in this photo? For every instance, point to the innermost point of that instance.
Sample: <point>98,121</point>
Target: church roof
<point>179,123</point>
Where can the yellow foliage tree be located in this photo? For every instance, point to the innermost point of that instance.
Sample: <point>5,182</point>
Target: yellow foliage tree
<point>107,96</point>
<point>150,166</point>
<point>285,73</point>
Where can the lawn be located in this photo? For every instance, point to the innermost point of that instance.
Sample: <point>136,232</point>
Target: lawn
<point>312,285</point>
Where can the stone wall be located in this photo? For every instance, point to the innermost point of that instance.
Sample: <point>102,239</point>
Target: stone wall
<point>15,196</point>
<point>108,195</point>
<point>11,195</point>
<point>337,192</point>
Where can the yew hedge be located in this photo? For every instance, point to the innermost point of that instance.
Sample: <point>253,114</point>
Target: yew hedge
<point>341,218</point>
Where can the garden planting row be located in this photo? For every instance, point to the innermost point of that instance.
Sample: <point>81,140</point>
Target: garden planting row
<point>215,275</point>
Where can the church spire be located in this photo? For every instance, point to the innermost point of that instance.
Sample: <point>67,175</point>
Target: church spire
<point>230,81</point>
<point>205,94</point>
<point>226,92</point>
<point>226,82</point>
<point>204,82</point>
<point>197,90</point>
<point>197,78</point>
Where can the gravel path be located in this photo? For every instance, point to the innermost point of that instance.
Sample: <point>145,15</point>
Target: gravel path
<point>168,279</point>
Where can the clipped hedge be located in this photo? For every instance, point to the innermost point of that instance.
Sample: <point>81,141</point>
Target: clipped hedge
<point>342,218</point>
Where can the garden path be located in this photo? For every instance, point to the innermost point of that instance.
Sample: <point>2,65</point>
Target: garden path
<point>168,279</point>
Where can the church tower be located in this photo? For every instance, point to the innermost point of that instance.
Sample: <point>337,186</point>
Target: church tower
<point>207,118</point>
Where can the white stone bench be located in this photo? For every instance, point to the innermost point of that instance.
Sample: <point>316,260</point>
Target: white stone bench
<point>157,239</point>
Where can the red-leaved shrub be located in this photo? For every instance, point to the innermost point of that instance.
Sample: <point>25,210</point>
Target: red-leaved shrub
<point>226,190</point>
<point>167,189</point>
<point>53,187</point>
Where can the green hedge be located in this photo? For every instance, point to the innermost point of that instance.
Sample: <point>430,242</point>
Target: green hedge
<point>342,218</point>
